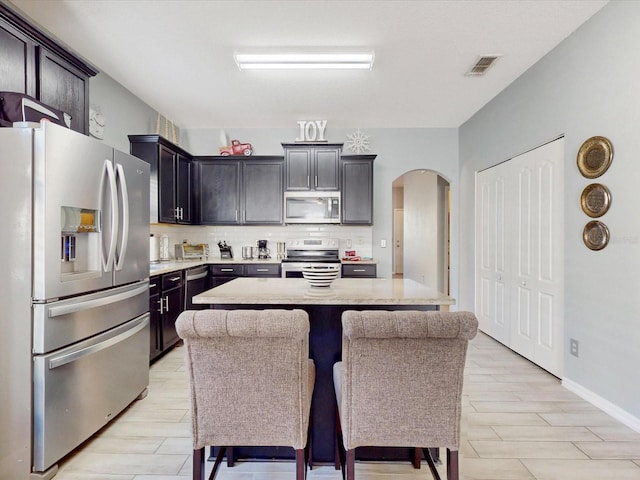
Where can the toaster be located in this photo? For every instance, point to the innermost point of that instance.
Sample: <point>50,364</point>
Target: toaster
<point>185,251</point>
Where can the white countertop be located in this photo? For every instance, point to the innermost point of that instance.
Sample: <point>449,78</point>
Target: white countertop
<point>343,291</point>
<point>158,268</point>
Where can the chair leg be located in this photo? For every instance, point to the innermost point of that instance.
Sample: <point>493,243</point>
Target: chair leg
<point>338,454</point>
<point>452,465</point>
<point>301,464</point>
<point>216,464</point>
<point>431,463</point>
<point>417,457</point>
<point>350,464</point>
<point>230,458</point>
<point>198,464</point>
<point>308,450</point>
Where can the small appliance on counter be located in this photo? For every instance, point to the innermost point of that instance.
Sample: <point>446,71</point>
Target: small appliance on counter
<point>185,251</point>
<point>282,247</point>
<point>225,250</point>
<point>263,251</point>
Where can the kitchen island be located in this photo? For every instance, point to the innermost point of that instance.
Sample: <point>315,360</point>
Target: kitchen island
<point>325,306</point>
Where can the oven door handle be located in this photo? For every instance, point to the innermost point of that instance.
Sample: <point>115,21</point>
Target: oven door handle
<point>70,357</point>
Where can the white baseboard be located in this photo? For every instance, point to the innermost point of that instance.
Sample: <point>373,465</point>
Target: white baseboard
<point>605,405</point>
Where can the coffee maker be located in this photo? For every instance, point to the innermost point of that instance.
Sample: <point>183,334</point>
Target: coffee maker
<point>263,251</point>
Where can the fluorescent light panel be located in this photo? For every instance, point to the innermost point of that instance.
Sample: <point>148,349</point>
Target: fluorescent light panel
<point>279,61</point>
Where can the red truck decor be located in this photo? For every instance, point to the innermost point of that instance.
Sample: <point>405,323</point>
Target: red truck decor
<point>236,148</point>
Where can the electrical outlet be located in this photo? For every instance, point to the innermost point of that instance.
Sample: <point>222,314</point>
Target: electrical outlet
<point>383,243</point>
<point>574,344</point>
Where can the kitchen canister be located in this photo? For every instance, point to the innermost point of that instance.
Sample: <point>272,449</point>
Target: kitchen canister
<point>164,247</point>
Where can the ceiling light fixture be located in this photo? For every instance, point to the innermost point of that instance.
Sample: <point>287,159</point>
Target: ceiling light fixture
<point>280,61</point>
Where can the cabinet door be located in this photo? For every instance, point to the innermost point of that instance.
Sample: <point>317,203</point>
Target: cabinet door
<point>219,188</point>
<point>172,309</point>
<point>183,189</point>
<point>166,185</point>
<point>64,87</point>
<point>262,192</point>
<point>327,169</point>
<point>298,169</point>
<point>17,68</point>
<point>357,192</point>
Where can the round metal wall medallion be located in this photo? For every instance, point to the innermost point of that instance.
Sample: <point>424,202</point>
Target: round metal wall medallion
<point>595,235</point>
<point>594,157</point>
<point>595,200</point>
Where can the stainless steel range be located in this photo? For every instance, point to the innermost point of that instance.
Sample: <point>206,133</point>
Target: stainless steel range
<point>304,252</point>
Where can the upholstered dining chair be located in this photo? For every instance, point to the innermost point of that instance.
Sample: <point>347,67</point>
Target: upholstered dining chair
<point>251,381</point>
<point>399,383</point>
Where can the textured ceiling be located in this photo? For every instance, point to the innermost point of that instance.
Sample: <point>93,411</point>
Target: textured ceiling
<point>177,56</point>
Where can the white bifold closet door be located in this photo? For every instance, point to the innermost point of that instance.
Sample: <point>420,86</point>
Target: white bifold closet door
<point>519,254</point>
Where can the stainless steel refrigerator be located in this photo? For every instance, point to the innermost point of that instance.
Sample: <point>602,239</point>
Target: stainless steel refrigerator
<point>74,321</point>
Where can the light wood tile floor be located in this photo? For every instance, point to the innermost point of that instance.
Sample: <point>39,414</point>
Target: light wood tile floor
<point>518,423</point>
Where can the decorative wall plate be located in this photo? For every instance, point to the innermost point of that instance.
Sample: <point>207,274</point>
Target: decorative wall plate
<point>594,157</point>
<point>595,200</point>
<point>595,235</point>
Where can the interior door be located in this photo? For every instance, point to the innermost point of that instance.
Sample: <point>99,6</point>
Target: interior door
<point>493,274</point>
<point>537,240</point>
<point>519,256</point>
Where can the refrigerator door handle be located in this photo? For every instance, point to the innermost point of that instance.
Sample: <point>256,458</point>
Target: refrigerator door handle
<point>109,173</point>
<point>98,302</point>
<point>70,357</point>
<point>124,238</point>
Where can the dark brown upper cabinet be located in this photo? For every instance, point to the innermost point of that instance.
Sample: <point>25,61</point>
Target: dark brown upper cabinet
<point>37,65</point>
<point>312,166</point>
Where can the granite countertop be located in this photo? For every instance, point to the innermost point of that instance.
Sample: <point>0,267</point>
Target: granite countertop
<point>343,291</point>
<point>368,261</point>
<point>159,268</point>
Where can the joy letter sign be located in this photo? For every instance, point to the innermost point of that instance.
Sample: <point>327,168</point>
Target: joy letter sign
<point>311,130</point>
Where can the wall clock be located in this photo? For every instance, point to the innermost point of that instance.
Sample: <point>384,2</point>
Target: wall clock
<point>96,124</point>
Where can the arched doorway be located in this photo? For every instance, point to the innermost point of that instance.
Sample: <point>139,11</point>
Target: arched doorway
<point>421,213</point>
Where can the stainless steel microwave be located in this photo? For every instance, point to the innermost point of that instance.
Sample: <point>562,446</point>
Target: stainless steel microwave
<point>312,207</point>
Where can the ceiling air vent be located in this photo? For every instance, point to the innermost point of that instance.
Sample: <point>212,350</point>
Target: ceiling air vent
<point>482,65</point>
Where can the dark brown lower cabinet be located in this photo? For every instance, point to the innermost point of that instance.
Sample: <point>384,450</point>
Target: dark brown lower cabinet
<point>165,305</point>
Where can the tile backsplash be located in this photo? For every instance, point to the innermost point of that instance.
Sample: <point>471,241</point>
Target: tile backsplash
<point>356,238</point>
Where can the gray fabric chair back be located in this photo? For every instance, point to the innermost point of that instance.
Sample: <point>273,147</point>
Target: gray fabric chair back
<point>401,377</point>
<point>250,376</point>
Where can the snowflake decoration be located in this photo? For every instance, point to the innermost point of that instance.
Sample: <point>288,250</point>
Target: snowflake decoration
<point>358,142</point>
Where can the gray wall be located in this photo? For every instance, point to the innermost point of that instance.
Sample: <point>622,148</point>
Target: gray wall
<point>398,151</point>
<point>423,246</point>
<point>586,86</point>
<point>125,113</point>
